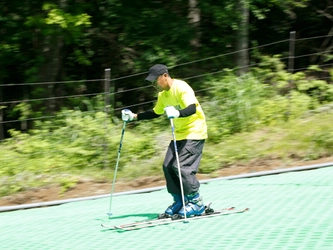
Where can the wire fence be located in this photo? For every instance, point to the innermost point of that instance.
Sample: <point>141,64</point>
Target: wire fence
<point>112,90</point>
<point>106,86</point>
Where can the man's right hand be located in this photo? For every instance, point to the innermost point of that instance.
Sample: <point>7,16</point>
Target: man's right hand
<point>127,115</point>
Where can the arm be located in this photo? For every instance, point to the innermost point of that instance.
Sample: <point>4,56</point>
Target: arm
<point>189,110</point>
<point>147,115</point>
<point>128,116</point>
<point>150,114</point>
<point>172,112</point>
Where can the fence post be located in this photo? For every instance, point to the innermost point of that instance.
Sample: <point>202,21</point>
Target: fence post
<point>291,52</point>
<point>107,74</point>
<point>291,63</point>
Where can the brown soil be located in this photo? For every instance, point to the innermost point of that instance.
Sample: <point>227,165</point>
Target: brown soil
<point>88,188</point>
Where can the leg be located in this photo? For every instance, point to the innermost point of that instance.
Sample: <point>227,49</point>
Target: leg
<point>171,177</point>
<point>190,154</point>
<point>172,182</point>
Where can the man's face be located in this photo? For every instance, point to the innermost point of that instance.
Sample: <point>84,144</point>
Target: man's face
<point>161,83</point>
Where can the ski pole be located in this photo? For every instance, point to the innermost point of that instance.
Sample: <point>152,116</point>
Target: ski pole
<point>178,166</point>
<point>116,169</point>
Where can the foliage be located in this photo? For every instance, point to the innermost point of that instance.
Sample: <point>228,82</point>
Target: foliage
<point>72,142</point>
<point>51,41</point>
<point>76,142</point>
<point>71,148</point>
<point>303,138</point>
<point>268,95</point>
<point>235,105</point>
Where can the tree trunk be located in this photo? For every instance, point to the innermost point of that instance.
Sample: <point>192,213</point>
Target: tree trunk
<point>242,37</point>
<point>326,47</point>
<point>194,20</point>
<point>49,72</point>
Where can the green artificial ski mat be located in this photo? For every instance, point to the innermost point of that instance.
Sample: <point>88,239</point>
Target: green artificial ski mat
<point>287,211</point>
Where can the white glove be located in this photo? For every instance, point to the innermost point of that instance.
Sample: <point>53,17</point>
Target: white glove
<point>171,112</point>
<point>127,115</point>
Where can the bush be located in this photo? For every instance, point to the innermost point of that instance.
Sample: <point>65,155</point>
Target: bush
<point>87,143</point>
<point>233,107</point>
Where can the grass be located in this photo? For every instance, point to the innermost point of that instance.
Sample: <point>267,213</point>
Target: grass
<point>306,138</point>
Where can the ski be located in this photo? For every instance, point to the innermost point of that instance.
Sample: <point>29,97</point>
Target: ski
<point>157,222</point>
<point>133,224</point>
<point>159,219</point>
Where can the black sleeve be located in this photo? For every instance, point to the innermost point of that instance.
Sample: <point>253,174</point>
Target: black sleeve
<point>190,110</point>
<point>147,115</point>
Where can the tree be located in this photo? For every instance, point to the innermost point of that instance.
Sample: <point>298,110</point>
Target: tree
<point>64,40</point>
<point>242,37</point>
<point>53,30</point>
<point>324,10</point>
<point>194,20</point>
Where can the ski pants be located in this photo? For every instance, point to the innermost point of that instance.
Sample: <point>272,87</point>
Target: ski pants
<point>190,153</point>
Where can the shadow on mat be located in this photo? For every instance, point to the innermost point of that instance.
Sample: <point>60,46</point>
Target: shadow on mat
<point>144,216</point>
<point>135,218</point>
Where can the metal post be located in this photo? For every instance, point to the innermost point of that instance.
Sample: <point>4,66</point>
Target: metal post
<point>107,90</point>
<point>107,112</point>
<point>291,52</point>
<point>291,63</point>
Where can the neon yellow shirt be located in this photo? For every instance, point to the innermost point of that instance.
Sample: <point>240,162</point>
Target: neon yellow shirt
<point>181,95</point>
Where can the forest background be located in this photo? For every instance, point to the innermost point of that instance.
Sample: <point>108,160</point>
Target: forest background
<point>262,71</point>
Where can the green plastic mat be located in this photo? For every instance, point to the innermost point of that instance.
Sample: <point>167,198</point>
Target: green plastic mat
<point>287,211</point>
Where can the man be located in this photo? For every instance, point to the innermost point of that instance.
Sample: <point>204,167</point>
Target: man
<point>178,100</point>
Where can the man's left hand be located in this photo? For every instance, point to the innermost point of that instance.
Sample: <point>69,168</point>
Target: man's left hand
<point>171,112</point>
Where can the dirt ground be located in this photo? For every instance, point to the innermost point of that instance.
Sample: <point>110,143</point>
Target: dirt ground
<point>84,189</point>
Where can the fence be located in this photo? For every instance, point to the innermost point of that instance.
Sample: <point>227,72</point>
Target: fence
<point>107,87</point>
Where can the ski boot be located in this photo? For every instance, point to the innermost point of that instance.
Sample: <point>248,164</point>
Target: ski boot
<point>194,207</point>
<point>173,208</point>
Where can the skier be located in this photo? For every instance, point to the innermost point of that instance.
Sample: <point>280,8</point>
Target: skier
<point>178,101</point>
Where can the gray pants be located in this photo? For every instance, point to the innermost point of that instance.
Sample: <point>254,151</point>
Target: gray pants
<point>190,153</point>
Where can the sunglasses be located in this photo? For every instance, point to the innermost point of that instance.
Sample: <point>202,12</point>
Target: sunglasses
<point>155,83</point>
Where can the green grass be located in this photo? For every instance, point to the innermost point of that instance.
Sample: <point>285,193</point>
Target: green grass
<point>306,138</point>
<point>303,138</point>
<point>247,119</point>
